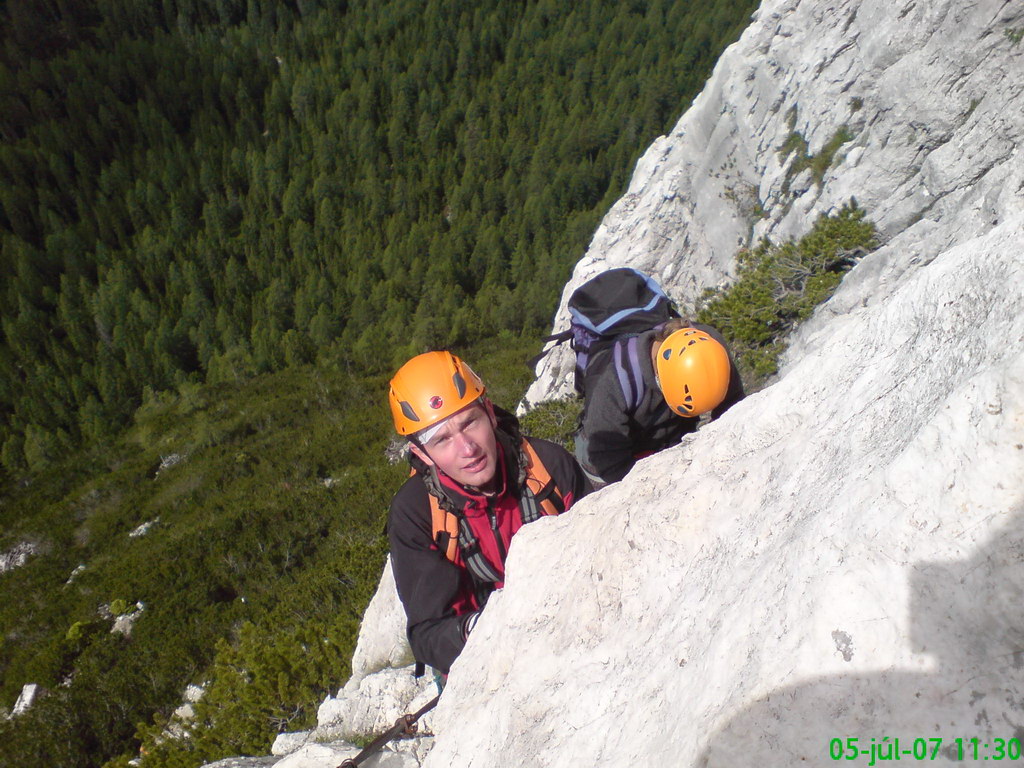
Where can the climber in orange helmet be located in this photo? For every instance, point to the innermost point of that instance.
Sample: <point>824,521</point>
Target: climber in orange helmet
<point>475,482</point>
<point>650,396</point>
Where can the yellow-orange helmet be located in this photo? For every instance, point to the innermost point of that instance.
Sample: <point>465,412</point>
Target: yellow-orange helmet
<point>693,372</point>
<point>430,388</point>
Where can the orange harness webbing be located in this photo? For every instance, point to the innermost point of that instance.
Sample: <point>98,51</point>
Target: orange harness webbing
<point>537,481</point>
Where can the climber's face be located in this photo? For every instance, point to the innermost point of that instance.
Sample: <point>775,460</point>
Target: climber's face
<point>464,447</point>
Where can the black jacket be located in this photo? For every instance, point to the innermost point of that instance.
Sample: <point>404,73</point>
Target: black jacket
<point>611,438</point>
<point>439,596</point>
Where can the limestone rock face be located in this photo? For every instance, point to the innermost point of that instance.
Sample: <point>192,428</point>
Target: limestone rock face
<point>382,642</point>
<point>374,704</point>
<point>29,693</point>
<point>921,96</point>
<point>406,754</point>
<point>841,555</point>
<point>17,556</point>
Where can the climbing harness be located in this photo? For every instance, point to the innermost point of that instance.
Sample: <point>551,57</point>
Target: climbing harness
<point>540,496</point>
<point>404,726</point>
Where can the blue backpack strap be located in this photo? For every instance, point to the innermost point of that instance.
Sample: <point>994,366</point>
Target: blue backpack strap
<point>627,369</point>
<point>558,338</point>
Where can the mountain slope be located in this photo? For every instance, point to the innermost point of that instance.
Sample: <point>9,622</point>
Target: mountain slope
<point>839,556</point>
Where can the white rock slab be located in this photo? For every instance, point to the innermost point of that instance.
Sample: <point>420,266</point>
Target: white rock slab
<point>29,693</point>
<point>382,642</point>
<point>375,704</point>
<point>840,555</point>
<point>286,743</point>
<point>242,762</point>
<point>143,529</point>
<point>17,556</point>
<point>194,693</point>
<point>403,754</point>
<point>123,624</point>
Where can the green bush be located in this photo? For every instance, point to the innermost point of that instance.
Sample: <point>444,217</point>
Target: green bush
<point>819,163</point>
<point>779,286</point>
<point>251,534</point>
<point>119,607</point>
<point>555,420</point>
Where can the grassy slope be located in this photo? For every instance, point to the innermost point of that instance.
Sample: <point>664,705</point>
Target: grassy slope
<point>268,537</point>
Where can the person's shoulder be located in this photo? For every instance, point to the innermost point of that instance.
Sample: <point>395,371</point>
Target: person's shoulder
<point>601,380</point>
<point>562,467</point>
<point>411,503</point>
<point>551,454</point>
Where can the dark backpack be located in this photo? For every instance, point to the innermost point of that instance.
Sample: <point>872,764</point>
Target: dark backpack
<point>608,312</point>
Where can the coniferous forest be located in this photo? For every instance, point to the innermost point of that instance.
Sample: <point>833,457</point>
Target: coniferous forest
<point>200,191</point>
<point>223,223</point>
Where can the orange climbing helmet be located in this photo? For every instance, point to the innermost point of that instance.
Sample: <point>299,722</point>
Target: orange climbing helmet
<point>693,372</point>
<point>430,388</point>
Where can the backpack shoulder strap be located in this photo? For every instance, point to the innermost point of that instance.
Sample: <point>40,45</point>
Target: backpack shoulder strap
<point>445,527</point>
<point>539,482</point>
<point>557,338</point>
<point>626,357</point>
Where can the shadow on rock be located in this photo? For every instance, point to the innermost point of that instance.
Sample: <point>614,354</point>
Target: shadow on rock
<point>966,615</point>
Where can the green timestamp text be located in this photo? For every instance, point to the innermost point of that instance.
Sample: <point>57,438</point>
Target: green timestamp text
<point>890,749</point>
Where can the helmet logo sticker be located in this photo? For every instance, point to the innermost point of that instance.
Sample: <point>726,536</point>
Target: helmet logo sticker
<point>436,402</point>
